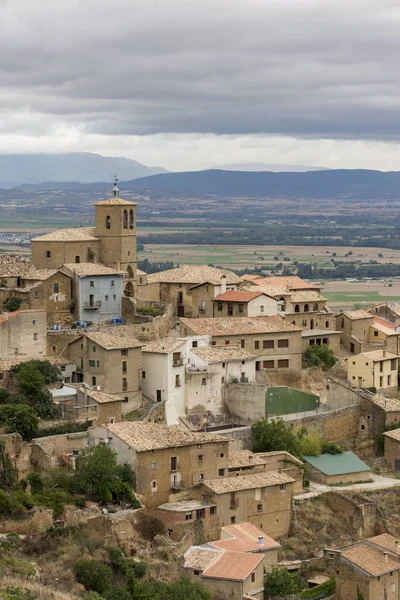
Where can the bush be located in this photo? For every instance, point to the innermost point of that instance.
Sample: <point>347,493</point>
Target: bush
<point>331,448</point>
<point>319,356</point>
<point>93,575</point>
<point>95,471</point>
<point>61,429</point>
<point>91,596</point>
<point>36,483</point>
<point>151,311</point>
<point>279,582</point>
<point>270,436</point>
<point>327,588</point>
<point>8,474</point>
<point>12,304</point>
<point>53,499</point>
<point>19,418</point>
<point>138,569</point>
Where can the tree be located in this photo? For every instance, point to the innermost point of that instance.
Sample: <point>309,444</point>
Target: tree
<point>12,304</point>
<point>279,582</point>
<point>310,444</point>
<point>317,356</point>
<point>19,418</point>
<point>93,575</point>
<point>360,595</point>
<point>185,589</point>
<point>96,469</point>
<point>30,380</point>
<point>32,377</point>
<point>270,436</point>
<point>8,475</point>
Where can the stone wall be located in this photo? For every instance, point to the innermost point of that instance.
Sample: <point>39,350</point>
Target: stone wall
<point>244,401</point>
<point>340,426</point>
<point>39,521</point>
<point>240,438</point>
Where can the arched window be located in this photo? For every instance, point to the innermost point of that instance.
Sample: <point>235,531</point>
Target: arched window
<point>108,222</point>
<point>297,308</point>
<point>125,219</point>
<point>315,307</point>
<point>131,221</point>
<point>283,305</point>
<point>306,308</point>
<point>130,272</point>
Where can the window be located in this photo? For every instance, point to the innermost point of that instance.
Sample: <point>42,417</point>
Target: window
<point>226,342</point>
<point>177,381</point>
<point>56,288</point>
<point>203,381</point>
<point>35,336</point>
<point>219,305</point>
<point>304,323</point>
<point>188,515</point>
<point>106,298</point>
<point>108,222</point>
<point>326,324</point>
<point>91,283</point>
<point>124,366</point>
<point>62,367</point>
<point>259,507</point>
<point>258,365</point>
<point>92,363</point>
<point>201,476</point>
<point>282,487</point>
<point>200,458</point>
<point>268,364</point>
<point>240,308</point>
<point>393,366</point>
<point>98,363</point>
<point>222,455</point>
<point>253,577</point>
<point>143,374</point>
<point>213,343</point>
<point>93,348</point>
<point>154,485</point>
<point>268,344</point>
<point>114,297</point>
<point>283,343</point>
<point>389,379</point>
<point>124,352</point>
<point>154,465</point>
<point>283,364</point>
<point>256,345</point>
<point>93,380</point>
<point>222,379</point>
<point>131,219</point>
<point>112,282</point>
<point>124,383</point>
<point>48,254</point>
<point>126,399</point>
<point>77,259</point>
<point>194,344</point>
<point>393,587</point>
<point>213,511</point>
<point>125,219</point>
<point>221,472</point>
<point>261,309</point>
<point>200,513</point>
<point>203,305</point>
<point>233,520</point>
<point>223,365</point>
<point>197,573</point>
<point>174,463</point>
<point>380,381</point>
<point>376,333</point>
<point>242,342</point>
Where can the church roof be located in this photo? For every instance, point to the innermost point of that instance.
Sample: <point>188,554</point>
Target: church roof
<point>76,234</point>
<point>115,201</point>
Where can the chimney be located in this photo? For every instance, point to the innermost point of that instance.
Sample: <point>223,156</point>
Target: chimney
<point>261,541</point>
<point>384,353</point>
<point>223,284</point>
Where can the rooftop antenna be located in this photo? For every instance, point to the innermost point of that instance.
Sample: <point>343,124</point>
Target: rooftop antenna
<point>115,188</point>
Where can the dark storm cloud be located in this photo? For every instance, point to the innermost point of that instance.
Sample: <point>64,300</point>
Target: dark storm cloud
<point>299,67</point>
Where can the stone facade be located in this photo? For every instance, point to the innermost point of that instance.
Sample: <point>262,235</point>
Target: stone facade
<point>354,326</point>
<point>23,334</point>
<point>392,450</point>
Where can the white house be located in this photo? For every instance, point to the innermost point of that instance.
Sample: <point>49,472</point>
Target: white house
<point>209,369</point>
<point>163,375</point>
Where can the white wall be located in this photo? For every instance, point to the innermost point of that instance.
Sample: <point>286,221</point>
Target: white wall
<point>270,306</point>
<point>125,455</point>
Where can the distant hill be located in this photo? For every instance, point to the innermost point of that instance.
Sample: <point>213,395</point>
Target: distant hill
<point>269,167</point>
<point>83,167</point>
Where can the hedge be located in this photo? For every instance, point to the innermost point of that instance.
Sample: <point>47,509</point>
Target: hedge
<point>319,591</point>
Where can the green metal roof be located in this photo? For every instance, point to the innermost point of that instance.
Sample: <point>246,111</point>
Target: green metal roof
<point>337,464</point>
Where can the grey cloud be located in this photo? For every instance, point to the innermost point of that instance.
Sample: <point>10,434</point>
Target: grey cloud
<point>293,67</point>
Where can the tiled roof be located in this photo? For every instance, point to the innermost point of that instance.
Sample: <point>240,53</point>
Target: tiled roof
<point>247,482</point>
<point>244,537</point>
<point>385,323</point>
<point>244,458</point>
<point>199,558</point>
<point>112,341</point>
<point>308,296</point>
<point>140,272</point>
<point>238,296</point>
<point>388,404</point>
<point>164,345</point>
<point>78,234</point>
<point>15,265</point>
<point>354,315</point>
<point>10,315</point>
<point>115,201</point>
<point>233,565</point>
<point>378,355</point>
<point>395,307</point>
<point>370,559</point>
<point>145,436</point>
<point>337,464</point>
<point>290,282</point>
<point>217,354</point>
<point>239,325</point>
<point>101,397</point>
<point>253,278</point>
<point>271,290</point>
<point>193,274</point>
<point>394,434</point>
<point>87,269</point>
<point>386,541</point>
<point>39,274</point>
<point>385,327</point>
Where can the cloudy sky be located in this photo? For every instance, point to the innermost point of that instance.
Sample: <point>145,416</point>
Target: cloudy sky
<point>194,83</point>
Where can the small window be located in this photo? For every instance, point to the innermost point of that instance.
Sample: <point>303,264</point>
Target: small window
<point>114,297</point>
<point>240,308</point>
<point>256,345</point>
<point>201,477</point>
<point>259,507</point>
<point>124,366</point>
<point>1,375</point>
<point>200,458</point>
<point>282,487</point>
<point>93,380</point>
<point>93,348</point>
<point>221,472</point>
<point>56,288</point>
<point>203,381</point>
<point>261,309</point>
<point>126,399</point>
<point>177,381</point>
<point>154,465</point>
<point>143,374</point>
<point>197,573</point>
<point>81,347</point>
<point>48,254</point>
<point>222,455</point>
<point>283,364</point>
<point>124,383</point>
<point>194,344</point>
<point>268,364</point>
<point>77,259</point>
<point>92,363</point>
<point>213,511</point>
<point>222,379</point>
<point>233,520</point>
<point>62,367</point>
<point>112,282</point>
<point>35,337</point>
<point>376,333</point>
<point>188,515</point>
<point>242,342</point>
<point>174,463</point>
<point>154,485</point>
<point>268,344</point>
<point>124,352</point>
<point>253,577</point>
<point>223,365</point>
<point>213,343</point>
<point>91,283</point>
<point>219,305</point>
<point>106,298</point>
<point>98,364</point>
<point>226,342</point>
<point>108,222</point>
<point>283,343</point>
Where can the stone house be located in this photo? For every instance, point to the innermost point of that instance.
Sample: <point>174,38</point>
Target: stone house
<point>163,376</point>
<point>392,449</point>
<point>23,334</point>
<point>198,518</point>
<point>97,291</point>
<point>228,575</point>
<point>387,310</point>
<point>333,469</point>
<point>111,242</point>
<point>371,566</point>
<point>204,294</point>
<point>176,287</point>
<point>377,412</point>
<point>276,343</point>
<point>165,459</point>
<point>109,361</point>
<point>354,325</point>
<point>52,293</point>
<point>244,303</point>
<point>321,337</point>
<point>262,499</point>
<point>208,370</point>
<point>376,369</point>
<point>85,403</point>
<point>384,334</point>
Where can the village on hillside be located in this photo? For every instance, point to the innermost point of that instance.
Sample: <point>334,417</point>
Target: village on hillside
<point>207,427</point>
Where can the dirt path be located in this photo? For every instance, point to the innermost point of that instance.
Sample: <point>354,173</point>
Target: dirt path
<point>379,482</point>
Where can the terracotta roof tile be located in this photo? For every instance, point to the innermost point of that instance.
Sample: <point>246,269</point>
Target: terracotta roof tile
<point>233,565</point>
<point>112,341</point>
<point>244,537</point>
<point>78,234</point>
<point>307,296</point>
<point>247,482</point>
<point>164,345</point>
<point>378,355</point>
<point>386,541</point>
<point>115,201</point>
<point>239,325</point>
<point>217,354</point>
<point>193,274</point>
<point>354,315</point>
<point>370,559</point>
<point>145,436</point>
<point>199,558</point>
<point>239,296</point>
<point>87,269</point>
<point>290,282</point>
<point>394,434</point>
<point>101,397</point>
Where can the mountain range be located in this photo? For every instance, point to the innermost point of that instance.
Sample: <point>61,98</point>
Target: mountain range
<point>276,168</point>
<point>17,169</point>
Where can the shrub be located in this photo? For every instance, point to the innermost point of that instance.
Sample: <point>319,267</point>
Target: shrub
<point>12,304</point>
<point>19,418</point>
<point>327,588</point>
<point>279,582</point>
<point>319,356</point>
<point>138,569</point>
<point>91,596</point>
<point>93,575</point>
<point>8,475</point>
<point>53,499</point>
<point>270,436</point>
<point>36,483</point>
<point>331,448</point>
<point>95,470</point>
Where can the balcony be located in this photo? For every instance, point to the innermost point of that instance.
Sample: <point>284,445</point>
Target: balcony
<point>177,362</point>
<point>92,305</point>
<point>202,309</point>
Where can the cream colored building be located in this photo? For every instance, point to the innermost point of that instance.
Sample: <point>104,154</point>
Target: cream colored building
<point>176,287</point>
<point>354,325</point>
<point>392,449</point>
<point>244,303</point>
<point>163,376</point>
<point>111,362</point>
<point>23,334</point>
<point>209,369</point>
<point>276,343</point>
<point>165,459</point>
<point>111,242</point>
<point>377,369</point>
